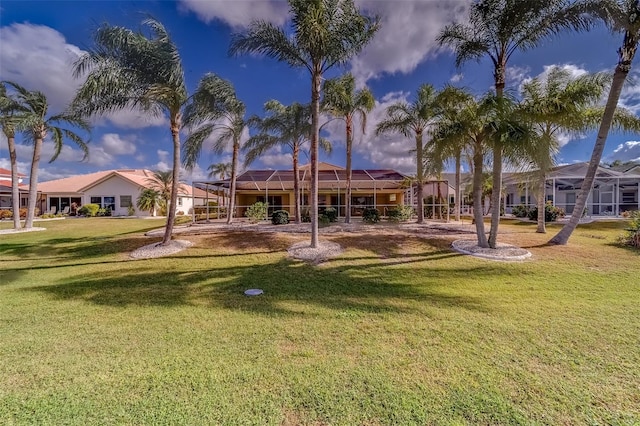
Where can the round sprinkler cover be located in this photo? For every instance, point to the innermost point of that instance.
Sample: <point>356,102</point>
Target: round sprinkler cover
<point>253,292</point>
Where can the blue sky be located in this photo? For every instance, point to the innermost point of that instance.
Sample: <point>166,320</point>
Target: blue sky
<point>39,40</point>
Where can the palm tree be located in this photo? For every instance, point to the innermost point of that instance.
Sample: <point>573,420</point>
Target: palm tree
<point>451,102</point>
<point>216,109</point>
<point>162,182</point>
<point>284,125</point>
<point>343,101</point>
<point>620,16</point>
<point>559,103</point>
<point>10,117</point>
<point>148,200</point>
<point>498,29</point>
<point>36,124</point>
<point>133,70</point>
<point>412,120</point>
<point>325,33</point>
<point>221,171</point>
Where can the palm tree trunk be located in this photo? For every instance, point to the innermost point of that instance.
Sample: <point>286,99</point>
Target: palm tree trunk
<point>296,184</point>
<point>458,202</point>
<point>234,175</point>
<point>175,180</point>
<point>542,206</point>
<point>420,176</point>
<point>477,195</point>
<point>315,129</point>
<point>496,194</point>
<point>33,182</point>
<point>15,191</point>
<point>347,216</point>
<point>627,52</point>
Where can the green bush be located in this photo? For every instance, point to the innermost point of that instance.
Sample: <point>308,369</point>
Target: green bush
<point>257,212</point>
<point>551,213</point>
<point>131,210</point>
<point>632,236</point>
<point>89,210</point>
<point>371,215</point>
<point>520,211</point>
<point>103,212</point>
<point>331,214</point>
<point>400,213</point>
<point>280,217</point>
<point>6,214</point>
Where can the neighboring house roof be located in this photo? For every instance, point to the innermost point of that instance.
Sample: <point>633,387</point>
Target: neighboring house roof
<point>627,167</point>
<point>322,166</point>
<point>5,172</point>
<point>82,183</point>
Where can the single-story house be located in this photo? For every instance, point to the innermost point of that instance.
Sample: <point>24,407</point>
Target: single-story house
<point>614,190</point>
<point>112,189</point>
<point>382,189</point>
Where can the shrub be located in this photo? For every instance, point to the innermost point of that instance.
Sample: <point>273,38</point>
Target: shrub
<point>103,212</point>
<point>551,213</point>
<point>305,215</point>
<point>331,214</point>
<point>131,210</point>
<point>371,215</point>
<point>323,219</point>
<point>89,210</point>
<point>400,213</point>
<point>520,211</point>
<point>257,212</point>
<point>6,214</point>
<point>280,217</point>
<point>632,236</point>
<point>179,213</point>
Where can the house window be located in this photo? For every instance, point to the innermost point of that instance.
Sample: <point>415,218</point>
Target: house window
<point>24,201</point>
<point>628,197</point>
<point>96,200</point>
<point>550,197</point>
<point>125,201</point>
<point>105,202</point>
<point>180,201</point>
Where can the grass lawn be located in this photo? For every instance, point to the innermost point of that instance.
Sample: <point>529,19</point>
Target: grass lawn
<point>397,330</point>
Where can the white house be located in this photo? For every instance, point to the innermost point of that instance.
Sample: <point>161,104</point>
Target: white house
<point>5,189</point>
<point>112,189</point>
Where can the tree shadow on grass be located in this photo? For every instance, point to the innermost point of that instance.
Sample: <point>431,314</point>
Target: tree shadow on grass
<point>290,288</point>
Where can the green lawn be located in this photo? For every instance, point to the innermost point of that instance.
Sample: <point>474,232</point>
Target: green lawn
<point>398,330</point>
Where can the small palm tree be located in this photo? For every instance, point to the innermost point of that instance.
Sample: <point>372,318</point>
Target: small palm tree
<point>10,115</point>
<point>148,200</point>
<point>620,16</point>
<point>343,101</point>
<point>36,124</point>
<point>220,171</point>
<point>497,29</point>
<point>288,126</point>
<point>162,182</point>
<point>216,106</point>
<point>413,120</point>
<point>325,33</point>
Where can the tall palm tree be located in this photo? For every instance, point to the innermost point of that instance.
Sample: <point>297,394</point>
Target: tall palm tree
<point>10,116</point>
<point>288,126</point>
<point>558,104</point>
<point>620,16</point>
<point>413,120</point>
<point>216,109</point>
<point>325,33</point>
<point>221,171</point>
<point>342,101</point>
<point>452,100</point>
<point>36,124</point>
<point>134,70</point>
<point>497,29</point>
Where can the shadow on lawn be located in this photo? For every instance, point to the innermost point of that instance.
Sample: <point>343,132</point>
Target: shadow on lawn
<point>290,288</point>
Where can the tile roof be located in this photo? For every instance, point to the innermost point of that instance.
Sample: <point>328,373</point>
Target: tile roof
<point>6,172</point>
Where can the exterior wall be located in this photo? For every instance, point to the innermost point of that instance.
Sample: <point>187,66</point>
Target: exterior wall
<point>115,187</point>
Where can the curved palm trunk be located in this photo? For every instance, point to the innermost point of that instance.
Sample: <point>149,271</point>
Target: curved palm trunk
<point>496,194</point>
<point>458,201</point>
<point>420,176</point>
<point>173,200</point>
<point>347,216</point>
<point>477,195</point>
<point>315,129</point>
<point>234,175</point>
<point>296,183</point>
<point>33,182</point>
<point>15,191</point>
<point>627,52</point>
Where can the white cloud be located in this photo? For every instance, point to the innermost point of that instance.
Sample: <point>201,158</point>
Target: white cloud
<point>238,13</point>
<point>519,75</point>
<point>114,144</point>
<point>38,58</point>
<point>131,119</point>
<point>456,78</point>
<point>628,151</point>
<point>407,34</point>
<point>630,96</point>
<point>275,158</point>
